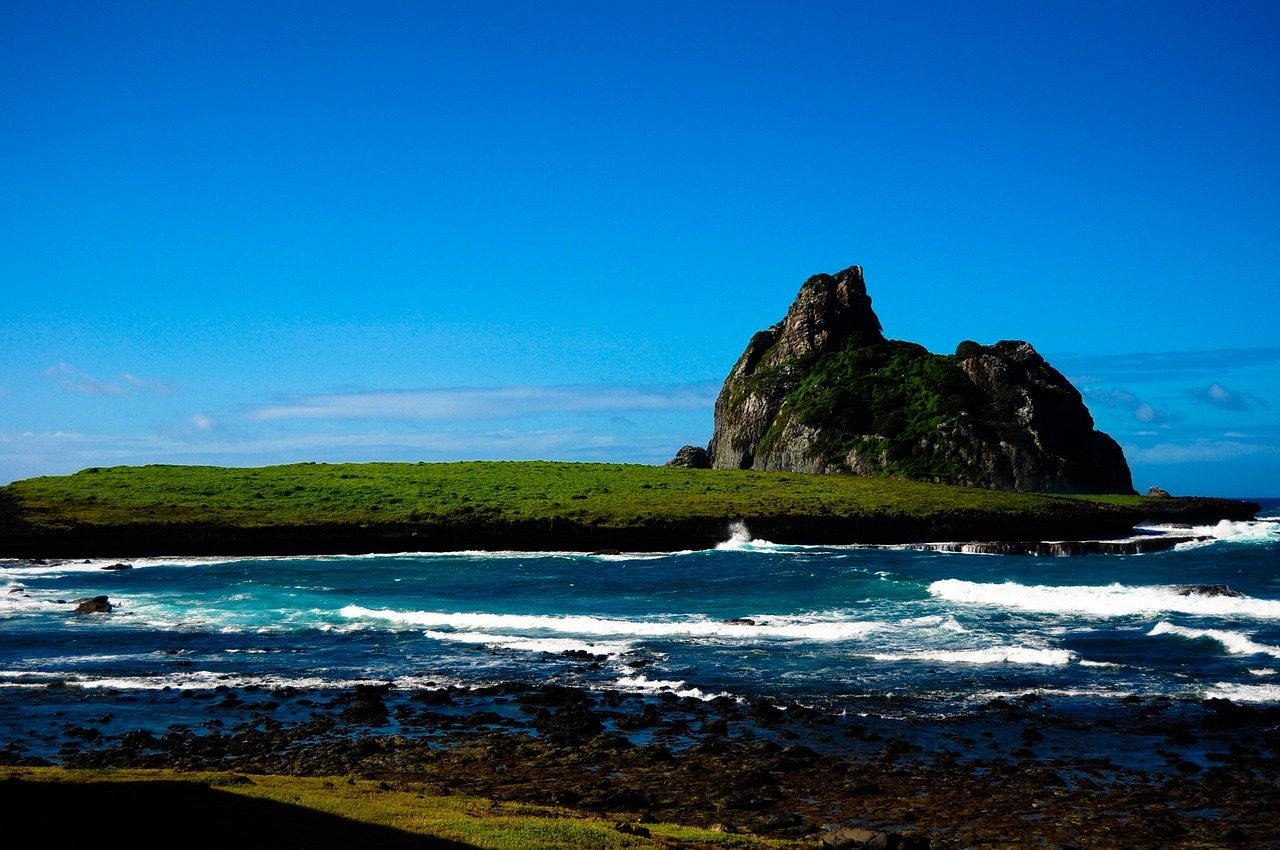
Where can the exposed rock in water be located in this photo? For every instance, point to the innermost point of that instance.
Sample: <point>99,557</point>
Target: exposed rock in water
<point>691,457</point>
<point>1206,590</point>
<point>824,391</point>
<point>92,605</point>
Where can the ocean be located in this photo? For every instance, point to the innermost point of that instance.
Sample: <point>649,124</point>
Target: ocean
<point>890,632</point>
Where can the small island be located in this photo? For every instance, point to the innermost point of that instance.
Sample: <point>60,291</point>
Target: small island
<point>314,508</point>
<point>825,432</point>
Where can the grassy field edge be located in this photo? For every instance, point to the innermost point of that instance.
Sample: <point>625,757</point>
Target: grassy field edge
<point>308,507</point>
<point>370,813</point>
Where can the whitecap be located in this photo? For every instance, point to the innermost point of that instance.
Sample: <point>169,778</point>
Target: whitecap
<point>1235,643</point>
<point>679,687</point>
<point>1244,693</point>
<point>1113,600</point>
<point>988,655</point>
<point>754,628</point>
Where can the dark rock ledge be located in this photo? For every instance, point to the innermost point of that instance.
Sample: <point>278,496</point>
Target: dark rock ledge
<point>1088,528</point>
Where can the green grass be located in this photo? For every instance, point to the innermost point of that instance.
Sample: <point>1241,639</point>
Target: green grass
<point>443,494</point>
<point>406,807</point>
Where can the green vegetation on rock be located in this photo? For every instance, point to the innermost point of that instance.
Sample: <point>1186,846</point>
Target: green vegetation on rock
<point>894,401</point>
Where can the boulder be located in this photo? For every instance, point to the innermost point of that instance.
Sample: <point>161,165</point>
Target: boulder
<point>92,605</point>
<point>1158,493</point>
<point>691,457</point>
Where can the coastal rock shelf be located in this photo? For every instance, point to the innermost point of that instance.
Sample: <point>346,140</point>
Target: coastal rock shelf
<point>782,771</point>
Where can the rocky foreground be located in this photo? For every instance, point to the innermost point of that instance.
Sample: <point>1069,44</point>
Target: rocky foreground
<point>1008,773</point>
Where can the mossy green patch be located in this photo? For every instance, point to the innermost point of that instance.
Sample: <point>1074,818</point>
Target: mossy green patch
<point>893,403</point>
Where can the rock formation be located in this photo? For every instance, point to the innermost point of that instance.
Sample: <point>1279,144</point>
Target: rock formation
<point>824,391</point>
<point>690,457</point>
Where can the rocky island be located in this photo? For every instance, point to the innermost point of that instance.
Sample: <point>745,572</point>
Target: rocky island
<point>824,391</point>
<point>866,440</point>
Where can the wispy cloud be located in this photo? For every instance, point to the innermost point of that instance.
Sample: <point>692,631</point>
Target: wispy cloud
<point>1148,366</point>
<point>57,453</point>
<point>1125,400</point>
<point>1216,395</point>
<point>78,381</point>
<point>472,404</point>
<point>1200,451</point>
<point>72,379</point>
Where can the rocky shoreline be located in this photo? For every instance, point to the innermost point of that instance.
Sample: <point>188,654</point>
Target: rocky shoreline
<point>1069,520</point>
<point>1031,771</point>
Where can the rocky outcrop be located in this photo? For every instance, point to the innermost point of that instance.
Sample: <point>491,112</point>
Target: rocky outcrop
<point>824,391</point>
<point>93,605</point>
<point>690,457</point>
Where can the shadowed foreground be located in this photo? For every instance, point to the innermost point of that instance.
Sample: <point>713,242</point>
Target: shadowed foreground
<point>167,814</point>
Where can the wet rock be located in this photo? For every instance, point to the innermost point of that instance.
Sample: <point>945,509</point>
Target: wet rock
<point>553,695</point>
<point>615,800</point>
<point>92,605</point>
<point>366,705</point>
<point>118,567</point>
<point>432,696</point>
<point>1206,590</point>
<point>774,822</point>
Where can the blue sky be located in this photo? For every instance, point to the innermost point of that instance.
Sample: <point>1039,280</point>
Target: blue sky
<point>265,232</point>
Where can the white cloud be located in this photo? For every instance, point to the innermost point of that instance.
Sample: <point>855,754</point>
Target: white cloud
<point>201,421</point>
<point>1201,451</point>
<point>1220,397</point>
<point>71,378</point>
<point>463,404</point>
<point>1125,400</point>
<point>79,381</point>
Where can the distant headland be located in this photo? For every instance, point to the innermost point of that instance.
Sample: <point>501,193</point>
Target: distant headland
<point>824,391</point>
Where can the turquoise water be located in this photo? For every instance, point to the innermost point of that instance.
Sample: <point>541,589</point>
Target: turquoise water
<point>848,629</point>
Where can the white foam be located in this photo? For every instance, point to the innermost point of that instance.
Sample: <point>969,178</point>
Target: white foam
<point>678,687</point>
<point>1234,642</point>
<point>525,644</point>
<point>1113,600</point>
<point>1226,531</point>
<point>1244,693</point>
<point>740,540</point>
<point>685,626</point>
<point>989,655</point>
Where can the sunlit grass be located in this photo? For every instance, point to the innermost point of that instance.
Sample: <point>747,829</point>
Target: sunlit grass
<point>418,810</point>
<point>444,494</point>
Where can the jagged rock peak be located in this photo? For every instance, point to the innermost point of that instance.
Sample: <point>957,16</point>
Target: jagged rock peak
<point>824,391</point>
<point>828,309</point>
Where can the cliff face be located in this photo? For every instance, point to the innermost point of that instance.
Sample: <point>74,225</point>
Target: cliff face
<point>824,391</point>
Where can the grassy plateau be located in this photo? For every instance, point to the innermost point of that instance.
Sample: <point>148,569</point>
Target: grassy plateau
<point>535,505</point>
<point>616,495</point>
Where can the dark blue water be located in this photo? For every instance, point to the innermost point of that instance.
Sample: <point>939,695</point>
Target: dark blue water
<point>843,629</point>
